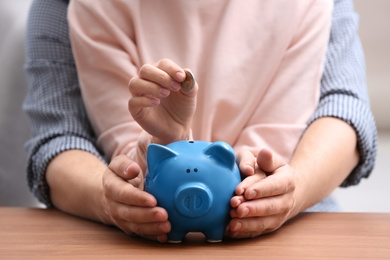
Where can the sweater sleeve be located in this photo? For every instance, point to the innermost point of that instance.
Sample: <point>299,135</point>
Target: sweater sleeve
<point>58,119</point>
<point>343,87</point>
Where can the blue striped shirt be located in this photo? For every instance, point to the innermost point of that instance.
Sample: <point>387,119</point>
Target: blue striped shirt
<point>59,121</point>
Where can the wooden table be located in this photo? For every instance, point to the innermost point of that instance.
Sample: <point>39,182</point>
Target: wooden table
<point>50,234</point>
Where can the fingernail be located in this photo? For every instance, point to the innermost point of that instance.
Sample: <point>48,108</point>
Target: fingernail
<point>155,101</point>
<point>233,213</point>
<point>249,169</point>
<point>245,212</point>
<point>180,76</point>
<point>162,238</point>
<point>237,226</point>
<point>252,195</point>
<point>158,216</point>
<point>239,191</point>
<point>149,203</point>
<point>236,202</point>
<point>126,170</point>
<point>164,92</point>
<point>164,227</point>
<point>175,85</point>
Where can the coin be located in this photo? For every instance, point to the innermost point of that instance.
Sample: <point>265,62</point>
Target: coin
<point>189,83</point>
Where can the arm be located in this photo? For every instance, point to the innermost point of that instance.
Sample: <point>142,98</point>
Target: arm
<point>65,168</point>
<point>58,120</point>
<point>112,195</point>
<point>343,88</point>
<point>278,191</point>
<point>332,152</point>
<point>87,194</point>
<point>320,163</point>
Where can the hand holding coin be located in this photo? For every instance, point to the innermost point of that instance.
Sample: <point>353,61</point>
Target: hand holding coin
<point>188,84</point>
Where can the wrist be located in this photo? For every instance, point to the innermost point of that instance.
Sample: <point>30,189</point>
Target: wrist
<point>298,196</point>
<point>83,173</point>
<point>324,157</point>
<point>185,136</point>
<point>102,211</point>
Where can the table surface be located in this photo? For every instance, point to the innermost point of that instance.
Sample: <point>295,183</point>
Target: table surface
<point>50,234</point>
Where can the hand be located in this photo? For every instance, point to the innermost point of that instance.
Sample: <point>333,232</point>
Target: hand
<point>264,199</point>
<point>128,206</point>
<point>159,105</point>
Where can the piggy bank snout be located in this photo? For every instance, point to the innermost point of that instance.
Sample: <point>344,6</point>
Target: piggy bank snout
<point>193,200</point>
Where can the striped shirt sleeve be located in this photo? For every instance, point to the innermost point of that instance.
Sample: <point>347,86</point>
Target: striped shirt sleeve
<point>58,119</point>
<point>343,87</point>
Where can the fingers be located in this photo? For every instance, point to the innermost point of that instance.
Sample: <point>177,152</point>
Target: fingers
<point>253,227</point>
<point>249,182</point>
<point>161,76</point>
<point>140,214</point>
<point>279,181</point>
<point>124,167</point>
<point>264,207</point>
<point>150,223</point>
<point>122,192</point>
<point>247,165</point>
<point>165,73</point>
<point>152,228</point>
<point>128,194</point>
<point>271,186</point>
<point>246,162</point>
<point>115,188</point>
<point>174,70</point>
<point>257,217</point>
<point>130,208</point>
<point>235,201</point>
<point>264,200</point>
<point>155,81</point>
<point>268,161</point>
<point>145,93</point>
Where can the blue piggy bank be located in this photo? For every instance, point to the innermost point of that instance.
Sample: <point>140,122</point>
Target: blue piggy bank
<point>194,181</point>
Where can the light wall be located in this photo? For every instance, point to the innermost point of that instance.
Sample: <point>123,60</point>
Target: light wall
<point>374,32</point>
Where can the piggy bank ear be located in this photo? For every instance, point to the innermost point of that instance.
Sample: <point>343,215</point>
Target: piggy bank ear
<point>222,153</point>
<point>156,154</point>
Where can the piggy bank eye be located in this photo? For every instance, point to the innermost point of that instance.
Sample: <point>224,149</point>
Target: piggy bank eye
<point>188,171</point>
<point>195,170</point>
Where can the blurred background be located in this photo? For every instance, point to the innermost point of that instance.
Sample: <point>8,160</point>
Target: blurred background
<point>371,195</point>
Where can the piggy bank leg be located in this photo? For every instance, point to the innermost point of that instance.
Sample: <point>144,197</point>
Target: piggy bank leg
<point>176,236</point>
<point>215,235</point>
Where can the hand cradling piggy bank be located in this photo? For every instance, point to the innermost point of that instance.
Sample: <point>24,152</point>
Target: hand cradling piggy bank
<point>194,181</point>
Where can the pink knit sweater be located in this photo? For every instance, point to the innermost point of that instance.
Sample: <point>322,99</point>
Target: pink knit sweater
<point>258,65</point>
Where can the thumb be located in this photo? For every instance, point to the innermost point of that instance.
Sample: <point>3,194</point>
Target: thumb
<point>268,161</point>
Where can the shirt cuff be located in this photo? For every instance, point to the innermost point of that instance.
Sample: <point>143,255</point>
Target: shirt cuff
<point>356,113</point>
<point>39,161</point>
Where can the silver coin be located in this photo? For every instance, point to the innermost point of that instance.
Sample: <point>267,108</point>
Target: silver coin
<point>189,83</point>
